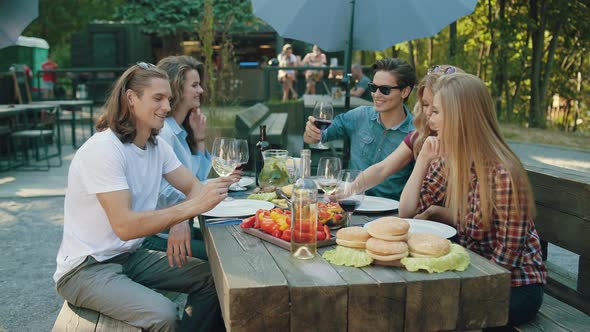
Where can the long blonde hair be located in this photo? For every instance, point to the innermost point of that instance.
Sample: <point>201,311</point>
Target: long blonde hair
<point>420,119</point>
<point>471,137</point>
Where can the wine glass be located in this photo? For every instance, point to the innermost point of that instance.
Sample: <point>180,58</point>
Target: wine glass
<point>244,156</point>
<point>225,156</point>
<point>323,112</point>
<point>350,191</point>
<point>327,176</point>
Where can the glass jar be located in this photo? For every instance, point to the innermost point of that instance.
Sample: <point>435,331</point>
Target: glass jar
<point>274,172</point>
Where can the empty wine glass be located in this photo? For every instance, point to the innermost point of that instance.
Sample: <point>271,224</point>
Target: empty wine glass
<point>244,156</point>
<point>350,191</point>
<point>323,112</point>
<point>327,176</point>
<point>225,156</point>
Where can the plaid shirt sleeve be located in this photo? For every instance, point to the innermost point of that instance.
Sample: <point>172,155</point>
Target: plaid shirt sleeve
<point>434,186</point>
<point>510,223</point>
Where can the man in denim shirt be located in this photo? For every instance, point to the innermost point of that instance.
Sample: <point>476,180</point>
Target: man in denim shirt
<point>376,131</point>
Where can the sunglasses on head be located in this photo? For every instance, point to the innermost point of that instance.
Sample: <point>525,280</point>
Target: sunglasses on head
<point>384,89</point>
<point>444,71</point>
<point>145,65</point>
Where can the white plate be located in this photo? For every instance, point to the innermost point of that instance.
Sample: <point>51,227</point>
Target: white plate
<point>377,204</point>
<point>238,208</point>
<point>244,182</point>
<point>429,227</point>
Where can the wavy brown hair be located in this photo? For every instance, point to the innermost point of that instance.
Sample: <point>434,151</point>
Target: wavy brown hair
<point>176,67</point>
<point>420,119</point>
<point>116,113</point>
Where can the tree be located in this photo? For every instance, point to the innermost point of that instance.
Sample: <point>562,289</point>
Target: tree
<point>58,19</point>
<point>166,18</point>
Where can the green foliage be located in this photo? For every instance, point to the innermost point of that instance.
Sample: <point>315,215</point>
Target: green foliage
<point>207,40</point>
<point>164,17</point>
<point>58,19</point>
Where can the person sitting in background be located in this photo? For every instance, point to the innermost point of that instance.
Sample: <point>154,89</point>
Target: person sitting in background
<point>361,89</point>
<point>109,208</point>
<point>287,77</point>
<point>49,78</point>
<point>408,151</point>
<point>375,131</point>
<point>468,177</point>
<point>315,59</point>
<point>185,130</point>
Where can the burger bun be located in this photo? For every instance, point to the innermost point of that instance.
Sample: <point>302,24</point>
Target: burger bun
<point>352,237</point>
<point>389,229</point>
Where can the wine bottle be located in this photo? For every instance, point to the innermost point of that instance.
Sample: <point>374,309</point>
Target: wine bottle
<point>304,215</point>
<point>261,146</point>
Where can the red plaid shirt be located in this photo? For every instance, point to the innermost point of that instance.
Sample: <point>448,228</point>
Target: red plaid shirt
<point>512,241</point>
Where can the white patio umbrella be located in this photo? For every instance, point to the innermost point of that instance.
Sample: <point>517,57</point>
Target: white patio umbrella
<point>15,16</point>
<point>344,25</point>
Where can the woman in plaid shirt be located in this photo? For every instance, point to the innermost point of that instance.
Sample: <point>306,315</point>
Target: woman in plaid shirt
<point>469,177</point>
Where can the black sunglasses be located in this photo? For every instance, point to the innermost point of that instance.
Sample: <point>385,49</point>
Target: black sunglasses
<point>385,89</point>
<point>439,69</point>
<point>145,65</point>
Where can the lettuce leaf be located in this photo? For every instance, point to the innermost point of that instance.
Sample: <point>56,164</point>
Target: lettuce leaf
<point>348,257</point>
<point>458,260</point>
<point>263,196</point>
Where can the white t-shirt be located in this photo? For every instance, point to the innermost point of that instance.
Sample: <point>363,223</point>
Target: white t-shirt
<point>104,164</point>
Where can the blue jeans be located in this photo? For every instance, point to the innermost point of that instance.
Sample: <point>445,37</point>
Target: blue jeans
<point>525,302</point>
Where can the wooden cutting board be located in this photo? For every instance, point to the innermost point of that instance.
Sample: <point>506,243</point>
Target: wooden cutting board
<point>282,243</point>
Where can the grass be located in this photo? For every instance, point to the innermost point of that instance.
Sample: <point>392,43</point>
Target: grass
<point>224,117</point>
<point>546,136</point>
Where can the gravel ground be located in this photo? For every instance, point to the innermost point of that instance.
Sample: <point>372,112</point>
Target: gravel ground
<point>30,234</point>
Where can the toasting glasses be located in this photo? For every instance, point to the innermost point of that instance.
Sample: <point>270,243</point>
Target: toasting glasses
<point>225,156</point>
<point>350,191</point>
<point>323,112</point>
<point>327,176</point>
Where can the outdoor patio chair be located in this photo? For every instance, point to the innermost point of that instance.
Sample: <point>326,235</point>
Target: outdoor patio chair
<point>35,142</point>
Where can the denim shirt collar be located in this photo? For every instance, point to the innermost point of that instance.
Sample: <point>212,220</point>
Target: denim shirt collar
<point>405,126</point>
<point>176,129</point>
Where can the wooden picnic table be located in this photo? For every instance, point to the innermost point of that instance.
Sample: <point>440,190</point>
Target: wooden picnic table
<point>262,288</point>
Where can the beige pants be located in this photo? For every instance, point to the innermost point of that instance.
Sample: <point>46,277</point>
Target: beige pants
<point>121,289</point>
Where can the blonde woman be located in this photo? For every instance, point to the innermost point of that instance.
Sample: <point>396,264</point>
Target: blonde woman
<point>410,148</point>
<point>287,77</point>
<point>469,177</point>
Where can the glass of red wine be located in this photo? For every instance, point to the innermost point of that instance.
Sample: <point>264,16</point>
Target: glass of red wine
<point>243,155</point>
<point>350,192</point>
<point>323,112</point>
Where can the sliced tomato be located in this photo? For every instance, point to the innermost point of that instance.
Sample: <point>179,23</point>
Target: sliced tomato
<point>321,236</point>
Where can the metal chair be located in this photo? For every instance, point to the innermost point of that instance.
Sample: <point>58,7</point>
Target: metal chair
<point>38,138</point>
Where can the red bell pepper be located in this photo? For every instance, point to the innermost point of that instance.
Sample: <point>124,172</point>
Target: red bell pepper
<point>327,232</point>
<point>286,235</point>
<point>321,236</point>
<point>302,237</point>
<point>248,222</point>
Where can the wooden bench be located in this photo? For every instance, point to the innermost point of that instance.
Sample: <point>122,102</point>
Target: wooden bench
<point>563,218</point>
<point>75,319</point>
<point>72,318</point>
<point>249,120</point>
